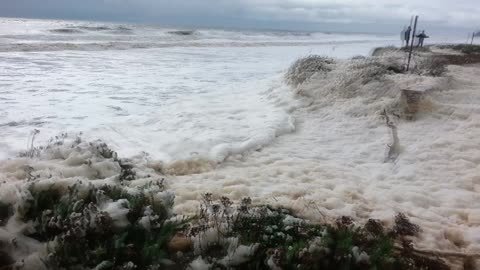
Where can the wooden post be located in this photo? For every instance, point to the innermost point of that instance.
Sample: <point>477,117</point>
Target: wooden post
<point>413,39</point>
<point>411,101</point>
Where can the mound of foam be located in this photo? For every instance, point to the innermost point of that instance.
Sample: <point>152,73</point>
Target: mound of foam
<point>67,164</point>
<point>66,160</point>
<point>362,83</point>
<point>306,67</point>
<point>369,85</point>
<point>184,167</point>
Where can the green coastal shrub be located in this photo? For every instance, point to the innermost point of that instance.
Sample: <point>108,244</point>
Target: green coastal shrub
<point>471,49</point>
<point>100,228</point>
<point>109,228</point>
<point>283,241</point>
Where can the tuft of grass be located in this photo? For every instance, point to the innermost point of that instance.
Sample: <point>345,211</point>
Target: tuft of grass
<point>404,227</point>
<point>434,66</point>
<point>463,48</point>
<point>471,49</point>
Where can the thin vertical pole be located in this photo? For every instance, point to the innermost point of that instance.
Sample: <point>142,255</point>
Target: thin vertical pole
<point>413,39</point>
<point>411,25</point>
<point>473,36</point>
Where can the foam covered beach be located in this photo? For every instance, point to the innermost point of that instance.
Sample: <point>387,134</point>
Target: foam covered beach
<point>329,141</point>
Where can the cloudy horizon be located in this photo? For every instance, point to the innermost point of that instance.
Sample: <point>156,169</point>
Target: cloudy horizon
<point>308,15</point>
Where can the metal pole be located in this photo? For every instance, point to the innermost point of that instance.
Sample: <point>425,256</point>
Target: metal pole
<point>411,25</point>
<point>413,39</point>
<point>473,36</point>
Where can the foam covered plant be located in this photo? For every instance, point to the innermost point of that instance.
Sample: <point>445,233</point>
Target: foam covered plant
<point>100,228</point>
<point>109,227</point>
<point>278,240</point>
<point>304,68</point>
<point>124,220</point>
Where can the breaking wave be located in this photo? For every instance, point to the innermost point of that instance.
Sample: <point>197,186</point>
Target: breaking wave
<point>182,32</point>
<point>66,31</point>
<point>95,28</point>
<point>106,36</point>
<point>125,45</point>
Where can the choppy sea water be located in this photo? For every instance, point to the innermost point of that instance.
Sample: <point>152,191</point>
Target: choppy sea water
<point>174,93</point>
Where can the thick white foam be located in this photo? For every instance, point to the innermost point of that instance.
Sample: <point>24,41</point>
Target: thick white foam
<point>176,103</point>
<point>333,164</point>
<point>193,107</point>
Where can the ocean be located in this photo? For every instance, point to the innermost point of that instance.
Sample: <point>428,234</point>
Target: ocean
<point>173,93</point>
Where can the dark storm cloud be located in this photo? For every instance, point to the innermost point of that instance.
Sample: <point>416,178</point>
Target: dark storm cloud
<point>355,15</point>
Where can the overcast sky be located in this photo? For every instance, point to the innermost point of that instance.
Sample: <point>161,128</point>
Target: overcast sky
<point>319,15</point>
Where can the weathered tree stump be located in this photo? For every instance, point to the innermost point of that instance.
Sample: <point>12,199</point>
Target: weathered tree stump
<point>411,100</point>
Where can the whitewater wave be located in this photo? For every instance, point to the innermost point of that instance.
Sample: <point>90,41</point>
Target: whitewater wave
<point>125,45</point>
<point>222,151</point>
<point>96,28</point>
<point>87,29</point>
<point>182,32</point>
<point>45,35</point>
<point>66,31</point>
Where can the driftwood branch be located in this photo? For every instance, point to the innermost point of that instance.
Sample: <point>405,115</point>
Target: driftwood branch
<point>393,149</point>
